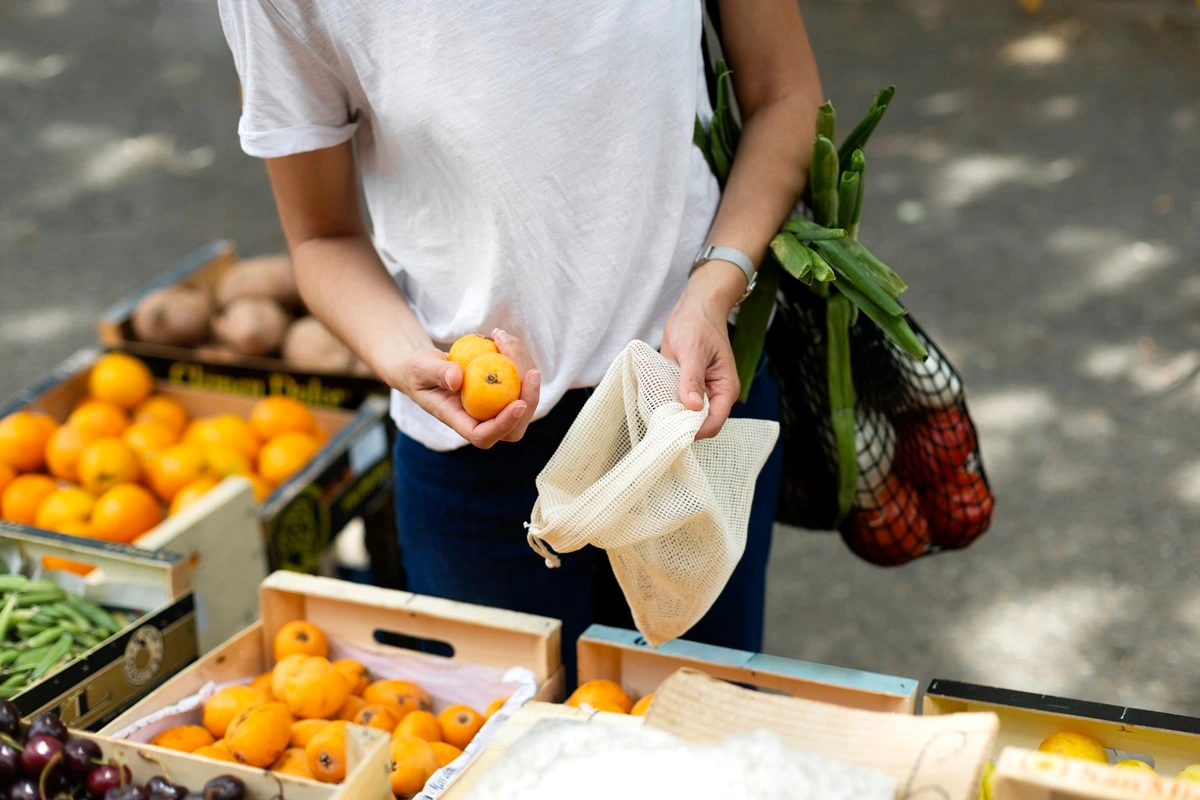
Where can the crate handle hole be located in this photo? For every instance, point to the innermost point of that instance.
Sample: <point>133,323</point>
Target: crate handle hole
<point>405,642</point>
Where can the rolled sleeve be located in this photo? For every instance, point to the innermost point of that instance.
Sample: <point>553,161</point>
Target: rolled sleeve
<point>293,100</point>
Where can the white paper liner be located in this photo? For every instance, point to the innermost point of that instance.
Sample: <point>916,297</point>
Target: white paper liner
<point>448,683</point>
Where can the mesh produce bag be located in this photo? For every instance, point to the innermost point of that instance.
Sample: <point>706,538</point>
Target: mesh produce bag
<point>921,483</point>
<point>630,478</point>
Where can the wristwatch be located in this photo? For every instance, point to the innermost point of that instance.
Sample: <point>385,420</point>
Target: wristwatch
<point>733,256</point>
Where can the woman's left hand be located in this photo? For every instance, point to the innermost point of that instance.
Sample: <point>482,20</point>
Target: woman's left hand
<point>696,338</point>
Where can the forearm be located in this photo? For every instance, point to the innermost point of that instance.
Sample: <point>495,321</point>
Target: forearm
<point>345,285</point>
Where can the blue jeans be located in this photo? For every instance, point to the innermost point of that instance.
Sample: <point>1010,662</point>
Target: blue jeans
<point>460,516</point>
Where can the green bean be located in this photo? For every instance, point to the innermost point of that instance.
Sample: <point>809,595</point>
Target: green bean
<point>96,615</point>
<point>54,655</point>
<point>13,686</point>
<point>31,657</point>
<point>6,613</point>
<point>40,597</point>
<point>27,629</point>
<point>44,638</point>
<point>8,656</point>
<point>12,583</point>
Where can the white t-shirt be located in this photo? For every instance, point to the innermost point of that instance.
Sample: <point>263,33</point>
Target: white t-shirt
<point>527,164</point>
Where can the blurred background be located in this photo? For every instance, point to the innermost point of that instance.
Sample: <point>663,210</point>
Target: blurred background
<point>1036,181</point>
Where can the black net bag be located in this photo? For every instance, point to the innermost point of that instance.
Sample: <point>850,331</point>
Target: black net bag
<point>921,483</point>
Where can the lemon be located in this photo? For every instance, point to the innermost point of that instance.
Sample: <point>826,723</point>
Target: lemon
<point>1133,763</point>
<point>1074,745</point>
<point>1189,773</point>
<point>985,785</point>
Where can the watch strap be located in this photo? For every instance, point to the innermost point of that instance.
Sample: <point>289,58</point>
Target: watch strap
<point>733,256</point>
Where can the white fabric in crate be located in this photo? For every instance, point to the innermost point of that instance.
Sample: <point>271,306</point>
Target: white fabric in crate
<point>630,478</point>
<point>582,761</point>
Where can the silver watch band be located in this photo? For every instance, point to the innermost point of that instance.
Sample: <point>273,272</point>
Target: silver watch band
<point>733,256</point>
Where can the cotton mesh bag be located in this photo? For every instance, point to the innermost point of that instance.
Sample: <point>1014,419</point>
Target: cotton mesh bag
<point>631,479</point>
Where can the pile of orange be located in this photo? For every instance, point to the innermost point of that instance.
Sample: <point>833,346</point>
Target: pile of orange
<point>605,695</point>
<point>126,456</point>
<point>293,719</point>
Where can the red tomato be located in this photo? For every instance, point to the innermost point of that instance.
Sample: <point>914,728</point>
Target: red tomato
<point>933,446</point>
<point>891,533</point>
<point>959,511</point>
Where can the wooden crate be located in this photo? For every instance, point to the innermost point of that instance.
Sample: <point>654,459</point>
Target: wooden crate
<point>1169,742</point>
<point>355,613</point>
<point>625,657</point>
<point>366,769</point>
<point>96,687</point>
<point>207,368</point>
<point>1029,775</point>
<point>230,542</point>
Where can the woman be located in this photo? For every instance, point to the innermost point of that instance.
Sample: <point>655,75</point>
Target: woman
<point>529,172</point>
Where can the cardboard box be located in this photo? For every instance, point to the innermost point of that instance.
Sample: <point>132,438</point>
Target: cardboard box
<point>106,680</point>
<point>1029,775</point>
<point>367,616</point>
<point>625,657</point>
<point>1168,742</point>
<point>366,769</point>
<point>231,543</point>
<point>204,368</point>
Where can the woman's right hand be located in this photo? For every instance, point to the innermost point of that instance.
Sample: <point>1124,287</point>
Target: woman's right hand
<point>433,382</point>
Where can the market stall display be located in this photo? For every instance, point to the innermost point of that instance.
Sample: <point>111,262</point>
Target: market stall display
<point>87,647</point>
<point>441,702</point>
<point>238,485</point>
<point>236,325</point>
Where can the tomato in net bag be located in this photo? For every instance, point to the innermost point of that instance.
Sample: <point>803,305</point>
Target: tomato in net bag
<point>921,484</point>
<point>630,478</point>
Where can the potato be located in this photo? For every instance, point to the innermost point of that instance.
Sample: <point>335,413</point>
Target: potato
<point>252,326</point>
<point>268,277</point>
<point>310,345</point>
<point>174,315</point>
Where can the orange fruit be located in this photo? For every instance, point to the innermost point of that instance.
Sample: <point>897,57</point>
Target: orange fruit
<point>470,347</point>
<point>226,704</point>
<point>401,696</point>
<point>262,489</point>
<point>421,724</point>
<point>326,752</point>
<point>98,419</point>
<point>642,705</point>
<point>63,449</point>
<point>23,496</point>
<point>23,437</point>
<point>215,753</point>
<point>494,706</point>
<point>170,470</point>
<point>303,730</point>
<point>121,379</point>
<point>7,473</point>
<point>283,672</point>
<point>165,410</point>
<point>259,735</point>
<point>351,707</point>
<point>64,506</point>
<point>224,431</point>
<point>185,738</point>
<point>378,717</point>
<point>285,455</point>
<point>490,382</point>
<point>107,462</point>
<point>1074,745</point>
<point>413,763</point>
<point>222,744</point>
<point>124,513</point>
<point>224,460</point>
<point>355,672</point>
<point>445,753</point>
<point>190,494</point>
<point>600,691</point>
<point>147,438</point>
<point>316,691</point>
<point>263,684</point>
<point>459,725</point>
<point>294,761</point>
<point>300,636</point>
<point>273,416</point>
<point>64,564</point>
